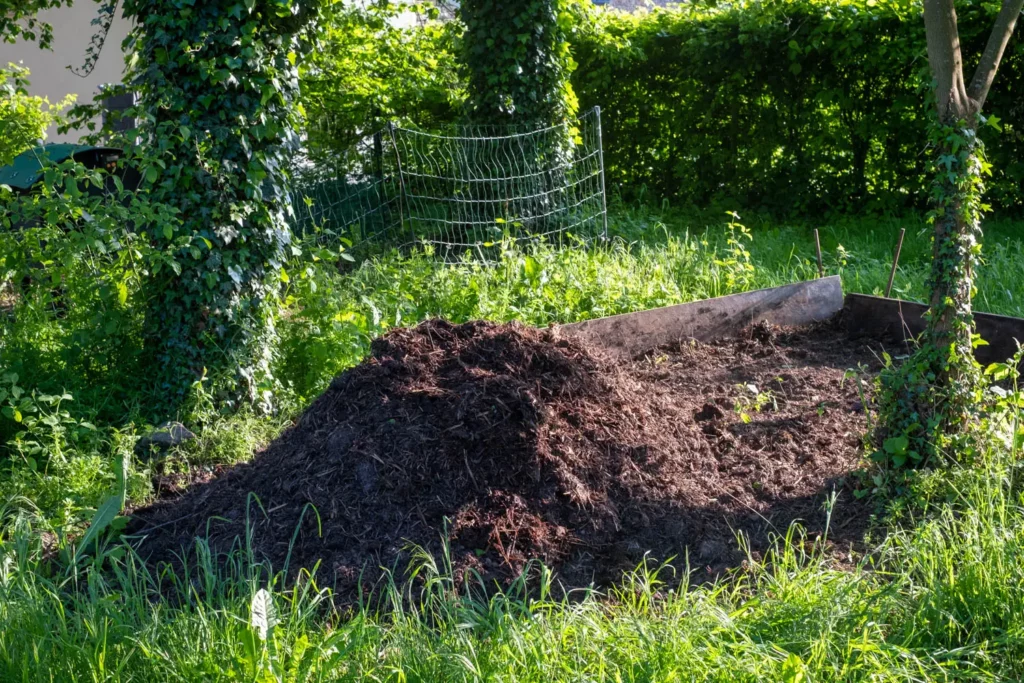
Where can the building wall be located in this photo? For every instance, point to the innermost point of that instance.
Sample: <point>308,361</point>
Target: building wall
<point>72,31</point>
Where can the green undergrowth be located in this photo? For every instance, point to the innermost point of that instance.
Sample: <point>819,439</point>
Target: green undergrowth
<point>941,599</point>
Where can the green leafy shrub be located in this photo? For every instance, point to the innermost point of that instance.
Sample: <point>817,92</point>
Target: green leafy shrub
<point>24,118</point>
<point>369,68</point>
<point>796,106</point>
<point>75,254</point>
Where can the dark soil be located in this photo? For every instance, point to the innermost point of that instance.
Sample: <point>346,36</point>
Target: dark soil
<point>535,446</point>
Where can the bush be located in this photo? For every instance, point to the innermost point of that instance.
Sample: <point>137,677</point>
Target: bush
<point>24,118</point>
<point>796,106</point>
<point>369,69</point>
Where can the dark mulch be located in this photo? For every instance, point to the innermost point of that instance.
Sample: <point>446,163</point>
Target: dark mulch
<point>532,445</point>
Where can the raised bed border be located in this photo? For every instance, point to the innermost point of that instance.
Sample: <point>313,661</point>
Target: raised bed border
<point>873,316</point>
<point>630,334</point>
<point>800,303</point>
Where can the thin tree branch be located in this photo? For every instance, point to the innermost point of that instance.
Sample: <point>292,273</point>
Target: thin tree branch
<point>993,54</point>
<point>104,20</point>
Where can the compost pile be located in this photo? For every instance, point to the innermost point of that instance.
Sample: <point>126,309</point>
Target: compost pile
<point>514,443</point>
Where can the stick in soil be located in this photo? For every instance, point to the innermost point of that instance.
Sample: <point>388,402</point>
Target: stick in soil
<point>895,262</point>
<point>817,248</point>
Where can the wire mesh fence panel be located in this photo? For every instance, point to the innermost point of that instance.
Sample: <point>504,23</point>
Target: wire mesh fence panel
<point>467,188</point>
<point>353,201</point>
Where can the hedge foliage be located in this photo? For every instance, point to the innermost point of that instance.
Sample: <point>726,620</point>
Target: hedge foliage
<point>516,54</point>
<point>796,106</point>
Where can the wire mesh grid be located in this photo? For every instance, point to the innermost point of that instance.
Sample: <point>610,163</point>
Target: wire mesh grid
<point>469,188</point>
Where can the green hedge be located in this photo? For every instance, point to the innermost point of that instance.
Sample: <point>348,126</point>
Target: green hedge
<point>795,106</point>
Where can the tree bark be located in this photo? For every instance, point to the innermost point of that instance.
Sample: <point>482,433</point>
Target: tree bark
<point>958,105</point>
<point>957,189</point>
<point>946,61</point>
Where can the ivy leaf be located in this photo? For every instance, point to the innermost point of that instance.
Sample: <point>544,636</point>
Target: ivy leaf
<point>998,371</point>
<point>896,445</point>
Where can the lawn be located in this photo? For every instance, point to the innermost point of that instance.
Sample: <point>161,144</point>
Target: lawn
<point>940,597</point>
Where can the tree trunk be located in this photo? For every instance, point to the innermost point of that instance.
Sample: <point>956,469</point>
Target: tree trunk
<point>954,250</point>
<point>956,200</point>
<point>927,403</point>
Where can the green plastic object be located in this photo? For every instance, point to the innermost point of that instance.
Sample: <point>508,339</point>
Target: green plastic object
<point>27,168</point>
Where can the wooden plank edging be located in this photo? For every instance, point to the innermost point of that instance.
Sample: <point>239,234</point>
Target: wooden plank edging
<point>873,316</point>
<point>634,333</point>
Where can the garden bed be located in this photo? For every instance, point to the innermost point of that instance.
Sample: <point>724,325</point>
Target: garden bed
<point>515,443</point>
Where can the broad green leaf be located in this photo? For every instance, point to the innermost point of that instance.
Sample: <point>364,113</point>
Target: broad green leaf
<point>105,514</point>
<point>262,615</point>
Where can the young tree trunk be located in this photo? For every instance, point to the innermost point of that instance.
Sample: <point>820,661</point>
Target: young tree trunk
<point>926,404</point>
<point>956,239</point>
<point>957,188</point>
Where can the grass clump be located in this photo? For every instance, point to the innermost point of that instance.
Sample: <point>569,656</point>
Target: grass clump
<point>940,598</point>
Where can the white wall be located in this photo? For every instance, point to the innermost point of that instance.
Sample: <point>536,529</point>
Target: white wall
<point>72,31</point>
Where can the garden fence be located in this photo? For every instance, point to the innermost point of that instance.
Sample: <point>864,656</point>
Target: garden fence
<point>470,188</point>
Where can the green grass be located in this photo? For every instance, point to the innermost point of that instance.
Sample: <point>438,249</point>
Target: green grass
<point>941,599</point>
<point>651,261</point>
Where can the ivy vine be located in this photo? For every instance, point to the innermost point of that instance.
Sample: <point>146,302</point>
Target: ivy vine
<point>517,60</point>
<point>929,404</point>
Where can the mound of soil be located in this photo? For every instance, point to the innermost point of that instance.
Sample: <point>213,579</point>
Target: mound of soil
<point>517,443</point>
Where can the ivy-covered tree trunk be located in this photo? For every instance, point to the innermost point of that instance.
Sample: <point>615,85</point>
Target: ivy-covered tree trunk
<point>956,212</point>
<point>516,55</point>
<point>217,81</point>
<point>927,403</point>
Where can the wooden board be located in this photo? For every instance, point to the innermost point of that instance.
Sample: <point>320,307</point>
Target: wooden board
<point>635,333</point>
<point>873,316</point>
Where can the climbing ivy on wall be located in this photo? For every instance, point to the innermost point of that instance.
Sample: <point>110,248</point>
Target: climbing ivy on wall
<point>217,81</point>
<point>517,60</point>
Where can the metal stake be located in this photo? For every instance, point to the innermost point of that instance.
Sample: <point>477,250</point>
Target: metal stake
<point>817,247</point>
<point>600,161</point>
<point>895,262</point>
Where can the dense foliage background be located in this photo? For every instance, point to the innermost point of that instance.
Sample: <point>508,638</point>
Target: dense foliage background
<point>373,65</point>
<point>795,106</point>
<point>790,106</point>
